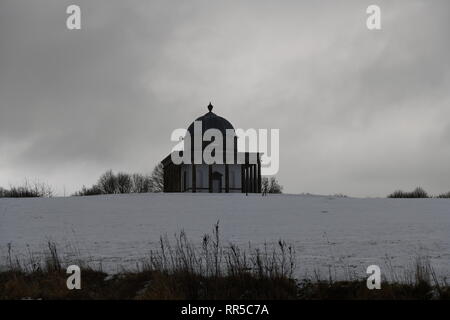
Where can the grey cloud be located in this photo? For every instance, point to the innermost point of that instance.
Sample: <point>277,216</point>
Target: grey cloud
<point>359,112</point>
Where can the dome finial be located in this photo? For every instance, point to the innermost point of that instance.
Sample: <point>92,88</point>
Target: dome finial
<point>210,107</point>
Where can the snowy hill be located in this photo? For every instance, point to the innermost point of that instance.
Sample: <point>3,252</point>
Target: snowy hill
<point>338,234</point>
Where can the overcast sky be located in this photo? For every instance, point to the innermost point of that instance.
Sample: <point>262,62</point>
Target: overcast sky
<point>360,112</point>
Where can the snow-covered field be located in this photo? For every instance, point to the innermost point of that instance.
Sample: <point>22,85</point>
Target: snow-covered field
<point>337,234</point>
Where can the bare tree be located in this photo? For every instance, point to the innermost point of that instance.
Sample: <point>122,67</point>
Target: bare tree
<point>141,183</point>
<point>124,182</point>
<point>92,191</point>
<point>28,190</point>
<point>108,182</point>
<point>274,186</point>
<point>270,186</point>
<point>265,186</point>
<point>42,190</point>
<point>157,178</point>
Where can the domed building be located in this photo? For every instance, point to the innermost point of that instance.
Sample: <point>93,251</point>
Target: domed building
<point>237,171</point>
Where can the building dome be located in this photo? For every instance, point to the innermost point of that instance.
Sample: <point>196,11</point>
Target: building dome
<point>210,120</point>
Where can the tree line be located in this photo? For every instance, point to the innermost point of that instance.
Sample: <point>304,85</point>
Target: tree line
<point>28,190</point>
<point>112,183</point>
<point>116,183</point>
<point>416,193</point>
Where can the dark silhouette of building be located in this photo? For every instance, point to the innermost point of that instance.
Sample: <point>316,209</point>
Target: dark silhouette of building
<point>242,174</point>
